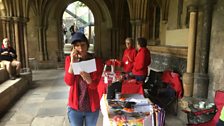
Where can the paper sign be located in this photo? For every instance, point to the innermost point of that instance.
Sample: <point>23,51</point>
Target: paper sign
<point>87,66</point>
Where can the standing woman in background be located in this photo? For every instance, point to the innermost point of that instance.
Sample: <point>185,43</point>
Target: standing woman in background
<point>128,56</point>
<point>83,101</point>
<point>142,60</point>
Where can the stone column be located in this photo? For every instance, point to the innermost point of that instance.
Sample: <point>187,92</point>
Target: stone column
<point>201,79</point>
<point>8,31</point>
<point>4,25</point>
<point>114,44</point>
<point>138,28</point>
<point>188,76</point>
<point>17,41</point>
<point>45,53</point>
<point>163,29</point>
<point>26,43</point>
<point>40,42</point>
<point>6,28</point>
<point>133,29</point>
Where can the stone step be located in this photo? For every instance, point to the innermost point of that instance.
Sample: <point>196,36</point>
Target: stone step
<point>11,90</point>
<point>3,75</point>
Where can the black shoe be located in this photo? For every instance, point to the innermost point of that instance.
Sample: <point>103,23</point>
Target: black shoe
<point>12,78</point>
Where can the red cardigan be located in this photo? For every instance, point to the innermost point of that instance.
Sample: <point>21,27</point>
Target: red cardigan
<point>71,80</point>
<point>142,61</point>
<point>126,62</point>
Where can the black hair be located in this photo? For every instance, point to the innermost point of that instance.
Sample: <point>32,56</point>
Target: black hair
<point>142,42</point>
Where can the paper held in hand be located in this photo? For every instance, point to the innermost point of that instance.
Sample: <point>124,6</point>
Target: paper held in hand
<point>87,66</point>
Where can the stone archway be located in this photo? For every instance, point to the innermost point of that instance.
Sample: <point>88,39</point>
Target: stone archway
<point>42,19</point>
<point>13,20</point>
<point>103,22</point>
<point>52,16</point>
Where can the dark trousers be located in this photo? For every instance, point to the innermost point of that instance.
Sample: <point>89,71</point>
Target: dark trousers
<point>220,123</point>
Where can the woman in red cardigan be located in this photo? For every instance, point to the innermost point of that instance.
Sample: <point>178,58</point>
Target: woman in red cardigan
<point>128,56</point>
<point>142,60</point>
<point>83,101</point>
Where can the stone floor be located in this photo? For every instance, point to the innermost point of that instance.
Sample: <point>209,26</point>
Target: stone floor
<point>44,104</point>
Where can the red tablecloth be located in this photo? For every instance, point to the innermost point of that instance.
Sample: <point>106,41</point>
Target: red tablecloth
<point>102,87</point>
<point>128,87</point>
<point>132,87</point>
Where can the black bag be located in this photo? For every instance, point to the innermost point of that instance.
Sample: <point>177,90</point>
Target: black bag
<point>113,88</point>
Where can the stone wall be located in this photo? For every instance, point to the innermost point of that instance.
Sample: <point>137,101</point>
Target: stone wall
<point>165,57</point>
<point>164,62</point>
<point>216,59</point>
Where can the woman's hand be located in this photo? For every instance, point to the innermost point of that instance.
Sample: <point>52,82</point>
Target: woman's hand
<point>74,55</point>
<point>86,77</point>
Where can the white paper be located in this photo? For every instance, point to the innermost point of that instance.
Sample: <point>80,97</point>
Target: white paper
<point>144,101</point>
<point>87,66</point>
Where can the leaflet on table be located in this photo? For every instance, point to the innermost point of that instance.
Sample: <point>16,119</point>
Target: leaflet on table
<point>87,66</point>
<point>142,101</point>
<point>144,108</point>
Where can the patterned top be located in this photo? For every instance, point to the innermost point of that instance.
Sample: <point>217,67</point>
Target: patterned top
<point>84,105</point>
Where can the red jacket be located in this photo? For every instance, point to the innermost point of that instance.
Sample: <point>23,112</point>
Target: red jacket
<point>71,80</point>
<point>173,79</point>
<point>127,63</point>
<point>142,61</point>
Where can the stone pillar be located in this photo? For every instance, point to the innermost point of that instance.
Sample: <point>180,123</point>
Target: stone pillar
<point>197,61</point>
<point>8,31</point>
<point>154,24</point>
<point>163,28</point>
<point>188,76</point>
<point>17,41</point>
<point>4,25</point>
<point>26,43</point>
<point>114,45</point>
<point>45,53</point>
<point>138,15</point>
<point>138,28</point>
<point>201,79</point>
<point>133,29</point>
<point>200,89</point>
<point>40,42</point>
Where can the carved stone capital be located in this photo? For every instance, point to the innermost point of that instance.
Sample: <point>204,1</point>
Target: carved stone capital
<point>136,22</point>
<point>132,22</point>
<point>5,18</point>
<point>193,8</point>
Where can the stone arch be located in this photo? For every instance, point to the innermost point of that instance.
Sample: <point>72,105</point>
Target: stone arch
<point>102,18</point>
<point>13,16</point>
<point>2,9</point>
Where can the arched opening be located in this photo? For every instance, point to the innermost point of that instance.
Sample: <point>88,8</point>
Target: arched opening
<point>51,35</point>
<point>77,17</point>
